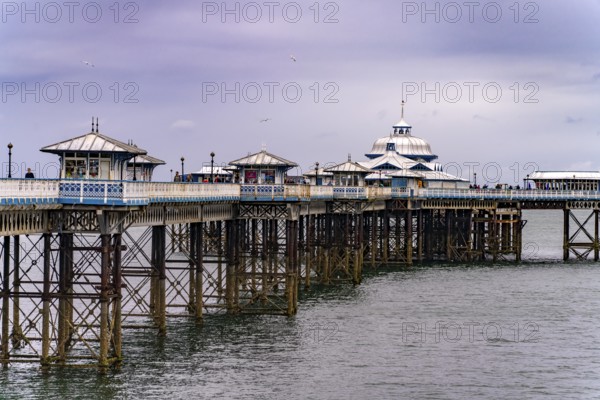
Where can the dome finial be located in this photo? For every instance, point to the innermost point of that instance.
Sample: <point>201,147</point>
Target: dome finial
<point>403,102</point>
<point>402,127</point>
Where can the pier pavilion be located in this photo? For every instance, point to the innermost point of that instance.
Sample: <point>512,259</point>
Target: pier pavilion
<point>349,173</point>
<point>93,156</point>
<point>564,180</point>
<point>85,260</point>
<point>402,155</point>
<point>214,174</point>
<point>403,143</point>
<point>263,168</point>
<point>142,167</point>
<point>318,176</point>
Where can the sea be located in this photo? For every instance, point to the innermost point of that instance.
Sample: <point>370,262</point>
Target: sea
<point>506,330</point>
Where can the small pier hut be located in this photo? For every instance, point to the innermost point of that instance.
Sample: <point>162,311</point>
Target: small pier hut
<point>212,174</point>
<point>141,168</point>
<point>349,173</point>
<point>263,168</point>
<point>319,177</point>
<point>93,156</point>
<point>563,180</point>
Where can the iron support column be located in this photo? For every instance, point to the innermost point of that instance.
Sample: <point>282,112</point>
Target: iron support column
<point>46,304</point>
<point>5,302</point>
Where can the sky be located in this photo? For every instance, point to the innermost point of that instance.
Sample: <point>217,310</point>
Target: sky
<point>499,89</point>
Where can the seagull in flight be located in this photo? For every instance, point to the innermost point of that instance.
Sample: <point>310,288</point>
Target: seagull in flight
<point>292,58</point>
<point>89,64</point>
<point>265,120</point>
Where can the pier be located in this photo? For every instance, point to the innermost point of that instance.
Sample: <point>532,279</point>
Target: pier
<point>99,251</point>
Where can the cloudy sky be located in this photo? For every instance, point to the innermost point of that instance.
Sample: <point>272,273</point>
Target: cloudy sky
<point>509,86</point>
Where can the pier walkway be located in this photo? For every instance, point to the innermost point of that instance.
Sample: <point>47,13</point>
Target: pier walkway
<point>131,193</point>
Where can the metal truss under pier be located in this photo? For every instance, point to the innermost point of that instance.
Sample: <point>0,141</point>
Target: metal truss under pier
<point>76,278</point>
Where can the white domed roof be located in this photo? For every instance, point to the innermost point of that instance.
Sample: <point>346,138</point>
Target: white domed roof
<point>404,144</point>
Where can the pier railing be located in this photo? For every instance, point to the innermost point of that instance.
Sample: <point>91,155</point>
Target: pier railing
<point>494,194</point>
<point>160,192</point>
<point>28,191</point>
<point>321,192</point>
<point>273,192</point>
<point>350,192</point>
<point>379,193</point>
<point>70,191</point>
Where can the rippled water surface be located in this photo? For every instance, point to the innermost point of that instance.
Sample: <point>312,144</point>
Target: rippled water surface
<point>441,331</point>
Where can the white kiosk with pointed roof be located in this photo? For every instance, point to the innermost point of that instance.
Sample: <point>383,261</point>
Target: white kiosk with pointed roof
<point>93,156</point>
<point>263,168</point>
<point>141,168</point>
<point>349,173</point>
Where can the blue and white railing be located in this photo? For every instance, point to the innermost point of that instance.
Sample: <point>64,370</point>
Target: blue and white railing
<point>516,195</point>
<point>274,192</point>
<point>70,191</point>
<point>28,191</point>
<point>161,192</point>
<point>350,192</point>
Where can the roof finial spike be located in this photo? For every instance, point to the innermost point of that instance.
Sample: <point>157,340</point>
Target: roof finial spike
<point>97,126</point>
<point>92,124</point>
<point>263,147</point>
<point>403,102</point>
<point>349,157</point>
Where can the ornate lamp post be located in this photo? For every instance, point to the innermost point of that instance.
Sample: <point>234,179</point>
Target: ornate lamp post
<point>317,174</point>
<point>182,173</point>
<point>10,146</point>
<point>212,164</point>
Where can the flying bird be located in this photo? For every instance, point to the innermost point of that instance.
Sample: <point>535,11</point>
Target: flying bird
<point>292,58</point>
<point>265,120</point>
<point>89,64</point>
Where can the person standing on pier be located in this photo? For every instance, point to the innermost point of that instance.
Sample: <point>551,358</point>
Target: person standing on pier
<point>29,174</point>
<point>177,177</point>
